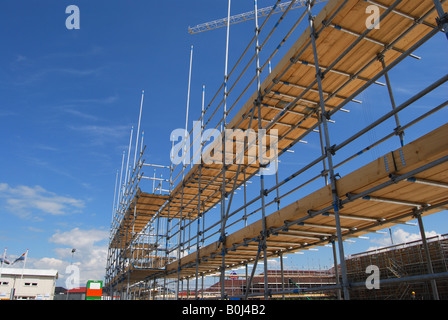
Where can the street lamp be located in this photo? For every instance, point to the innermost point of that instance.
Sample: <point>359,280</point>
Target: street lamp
<point>71,263</point>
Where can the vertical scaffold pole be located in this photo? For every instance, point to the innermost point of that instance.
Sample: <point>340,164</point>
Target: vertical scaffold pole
<point>157,263</point>
<point>179,244</point>
<point>115,197</point>
<point>199,196</point>
<point>328,151</point>
<point>120,186</point>
<point>127,163</point>
<point>138,128</point>
<point>223,191</point>
<point>168,219</point>
<point>202,114</point>
<point>435,292</point>
<point>198,231</point>
<point>141,144</point>
<point>245,221</point>
<point>181,219</point>
<point>282,275</point>
<point>260,153</point>
<point>336,270</point>
<point>322,145</point>
<point>188,98</point>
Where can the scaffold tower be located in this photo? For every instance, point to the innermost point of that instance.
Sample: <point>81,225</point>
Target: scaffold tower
<point>199,218</point>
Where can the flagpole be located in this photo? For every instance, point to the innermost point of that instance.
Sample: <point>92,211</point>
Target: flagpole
<point>3,261</point>
<point>24,262</point>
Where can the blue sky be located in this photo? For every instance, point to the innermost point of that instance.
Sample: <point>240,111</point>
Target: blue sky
<point>68,99</point>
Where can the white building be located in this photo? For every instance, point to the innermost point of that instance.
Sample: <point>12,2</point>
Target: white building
<point>27,284</point>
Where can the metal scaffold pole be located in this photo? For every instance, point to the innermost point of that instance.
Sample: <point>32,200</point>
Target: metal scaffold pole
<point>138,128</point>
<point>430,270</point>
<point>260,154</point>
<point>168,220</point>
<point>199,218</point>
<point>336,269</point>
<point>198,233</point>
<point>223,147</point>
<point>400,132</point>
<point>329,155</point>
<point>128,171</point>
<point>179,243</point>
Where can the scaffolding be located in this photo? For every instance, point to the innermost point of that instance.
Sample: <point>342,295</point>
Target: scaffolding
<point>400,261</point>
<point>168,240</point>
<point>280,281</point>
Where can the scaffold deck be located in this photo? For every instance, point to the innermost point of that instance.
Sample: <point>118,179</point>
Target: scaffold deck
<point>375,211</point>
<point>289,79</point>
<point>141,210</point>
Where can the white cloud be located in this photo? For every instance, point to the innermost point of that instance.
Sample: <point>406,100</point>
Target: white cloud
<point>89,258</point>
<point>20,58</point>
<point>34,229</point>
<point>104,100</point>
<point>90,255</point>
<point>23,200</point>
<point>99,135</point>
<point>49,263</point>
<point>400,236</point>
<point>31,77</point>
<point>79,239</point>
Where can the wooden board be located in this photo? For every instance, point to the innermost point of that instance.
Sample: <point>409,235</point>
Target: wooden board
<point>140,211</point>
<point>283,85</point>
<point>430,147</point>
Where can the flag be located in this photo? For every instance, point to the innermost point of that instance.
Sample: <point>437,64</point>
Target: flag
<point>3,259</point>
<point>21,258</point>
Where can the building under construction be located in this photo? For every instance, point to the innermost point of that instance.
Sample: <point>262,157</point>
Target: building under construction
<point>408,260</point>
<point>205,218</point>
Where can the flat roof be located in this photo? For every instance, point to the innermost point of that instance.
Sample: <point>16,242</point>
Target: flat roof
<point>29,272</point>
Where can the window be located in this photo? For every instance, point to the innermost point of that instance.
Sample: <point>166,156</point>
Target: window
<point>30,284</point>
